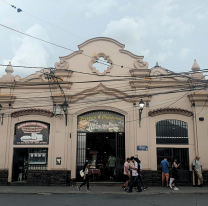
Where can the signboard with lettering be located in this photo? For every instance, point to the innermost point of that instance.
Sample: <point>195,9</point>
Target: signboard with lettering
<point>31,133</point>
<point>101,121</point>
<point>142,148</point>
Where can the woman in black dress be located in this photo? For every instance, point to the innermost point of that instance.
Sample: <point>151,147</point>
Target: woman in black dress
<point>175,173</point>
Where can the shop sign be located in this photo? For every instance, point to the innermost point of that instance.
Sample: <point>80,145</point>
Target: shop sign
<point>142,148</point>
<point>101,122</point>
<point>31,133</point>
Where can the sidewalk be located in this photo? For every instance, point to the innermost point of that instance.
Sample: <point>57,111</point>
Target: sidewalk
<point>116,190</point>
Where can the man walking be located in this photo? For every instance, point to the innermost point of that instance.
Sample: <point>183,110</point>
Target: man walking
<point>126,174</point>
<point>134,177</point>
<point>165,171</point>
<point>198,170</point>
<point>111,165</point>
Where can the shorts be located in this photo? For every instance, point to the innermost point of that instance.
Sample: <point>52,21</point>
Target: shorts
<point>126,178</point>
<point>165,176</point>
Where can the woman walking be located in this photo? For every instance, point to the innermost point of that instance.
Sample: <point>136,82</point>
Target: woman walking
<point>86,177</point>
<point>175,174</point>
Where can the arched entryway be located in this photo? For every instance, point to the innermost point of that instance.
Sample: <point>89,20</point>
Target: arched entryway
<point>100,134</point>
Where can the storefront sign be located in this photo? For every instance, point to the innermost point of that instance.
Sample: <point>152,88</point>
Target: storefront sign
<point>35,133</point>
<point>142,148</point>
<point>101,121</point>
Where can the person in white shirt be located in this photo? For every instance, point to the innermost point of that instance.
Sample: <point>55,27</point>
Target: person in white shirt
<point>134,177</point>
<point>197,167</point>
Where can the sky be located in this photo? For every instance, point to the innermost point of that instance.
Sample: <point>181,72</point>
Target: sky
<point>170,32</point>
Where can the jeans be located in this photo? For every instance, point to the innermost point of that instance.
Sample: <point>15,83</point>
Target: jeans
<point>111,171</point>
<point>140,177</point>
<point>133,180</point>
<point>86,181</point>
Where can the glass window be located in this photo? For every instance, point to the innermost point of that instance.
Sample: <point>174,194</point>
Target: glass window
<point>171,131</point>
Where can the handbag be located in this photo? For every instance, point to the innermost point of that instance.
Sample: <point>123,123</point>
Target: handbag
<point>81,173</point>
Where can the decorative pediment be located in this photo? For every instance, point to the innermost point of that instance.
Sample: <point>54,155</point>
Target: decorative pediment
<point>168,110</point>
<point>58,99</point>
<point>94,60</point>
<point>32,111</point>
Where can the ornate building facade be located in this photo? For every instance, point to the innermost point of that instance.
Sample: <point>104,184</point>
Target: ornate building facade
<point>55,120</point>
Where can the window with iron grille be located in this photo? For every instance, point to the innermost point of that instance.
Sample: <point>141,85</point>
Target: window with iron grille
<point>171,131</point>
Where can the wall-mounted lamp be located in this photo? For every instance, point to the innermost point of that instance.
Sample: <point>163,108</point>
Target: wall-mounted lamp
<point>64,107</point>
<point>141,106</point>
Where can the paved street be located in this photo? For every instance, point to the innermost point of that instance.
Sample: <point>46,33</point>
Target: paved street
<point>103,200</point>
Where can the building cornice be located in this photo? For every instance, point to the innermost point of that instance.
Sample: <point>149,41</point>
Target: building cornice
<point>100,88</point>
<point>168,110</point>
<point>101,39</point>
<point>32,111</point>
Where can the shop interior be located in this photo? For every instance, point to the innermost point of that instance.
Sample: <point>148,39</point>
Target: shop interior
<point>99,147</point>
<point>25,159</point>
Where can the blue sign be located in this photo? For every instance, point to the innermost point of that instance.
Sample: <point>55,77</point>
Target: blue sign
<point>142,148</point>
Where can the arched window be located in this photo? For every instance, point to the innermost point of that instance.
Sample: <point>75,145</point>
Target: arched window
<point>171,131</point>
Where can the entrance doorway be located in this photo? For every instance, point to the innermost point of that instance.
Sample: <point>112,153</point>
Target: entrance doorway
<point>96,148</point>
<point>182,155</point>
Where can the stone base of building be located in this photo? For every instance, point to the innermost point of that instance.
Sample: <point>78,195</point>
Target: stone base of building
<point>3,177</point>
<point>48,178</point>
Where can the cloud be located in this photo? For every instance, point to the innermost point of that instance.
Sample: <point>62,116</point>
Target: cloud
<point>31,52</point>
<point>161,56</point>
<point>200,16</point>
<point>184,52</point>
<point>125,8</point>
<point>128,30</point>
<point>99,7</point>
<point>166,43</point>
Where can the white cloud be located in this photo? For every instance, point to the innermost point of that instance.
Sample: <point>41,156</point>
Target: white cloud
<point>166,43</point>
<point>99,7</point>
<point>161,56</point>
<point>128,30</point>
<point>126,7</point>
<point>184,52</point>
<point>200,16</point>
<point>31,52</point>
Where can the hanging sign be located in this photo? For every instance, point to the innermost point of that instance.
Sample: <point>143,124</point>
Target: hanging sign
<point>31,133</point>
<point>101,121</point>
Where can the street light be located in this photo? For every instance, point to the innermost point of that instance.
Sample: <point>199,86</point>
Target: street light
<point>64,107</point>
<point>141,106</point>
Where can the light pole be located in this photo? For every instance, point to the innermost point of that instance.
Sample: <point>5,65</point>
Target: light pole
<point>2,115</point>
<point>141,106</point>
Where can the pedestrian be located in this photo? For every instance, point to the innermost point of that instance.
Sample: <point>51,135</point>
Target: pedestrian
<point>175,174</point>
<point>126,174</point>
<point>197,167</point>
<point>134,177</point>
<point>165,171</point>
<point>140,174</point>
<point>86,177</point>
<point>111,165</point>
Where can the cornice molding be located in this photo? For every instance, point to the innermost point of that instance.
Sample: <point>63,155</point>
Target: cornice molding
<point>131,54</point>
<point>101,39</point>
<point>199,99</point>
<point>71,55</point>
<point>95,58</point>
<point>168,110</point>
<point>6,99</point>
<point>33,111</point>
<point>100,88</point>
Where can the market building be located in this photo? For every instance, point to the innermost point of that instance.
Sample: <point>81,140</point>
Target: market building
<point>55,120</point>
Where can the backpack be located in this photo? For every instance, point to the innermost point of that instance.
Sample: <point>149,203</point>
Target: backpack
<point>138,169</point>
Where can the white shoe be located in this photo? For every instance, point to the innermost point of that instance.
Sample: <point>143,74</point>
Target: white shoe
<point>175,188</point>
<point>170,186</point>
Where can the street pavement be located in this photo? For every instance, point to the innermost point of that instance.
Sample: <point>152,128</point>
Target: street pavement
<point>116,190</point>
<point>90,199</point>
